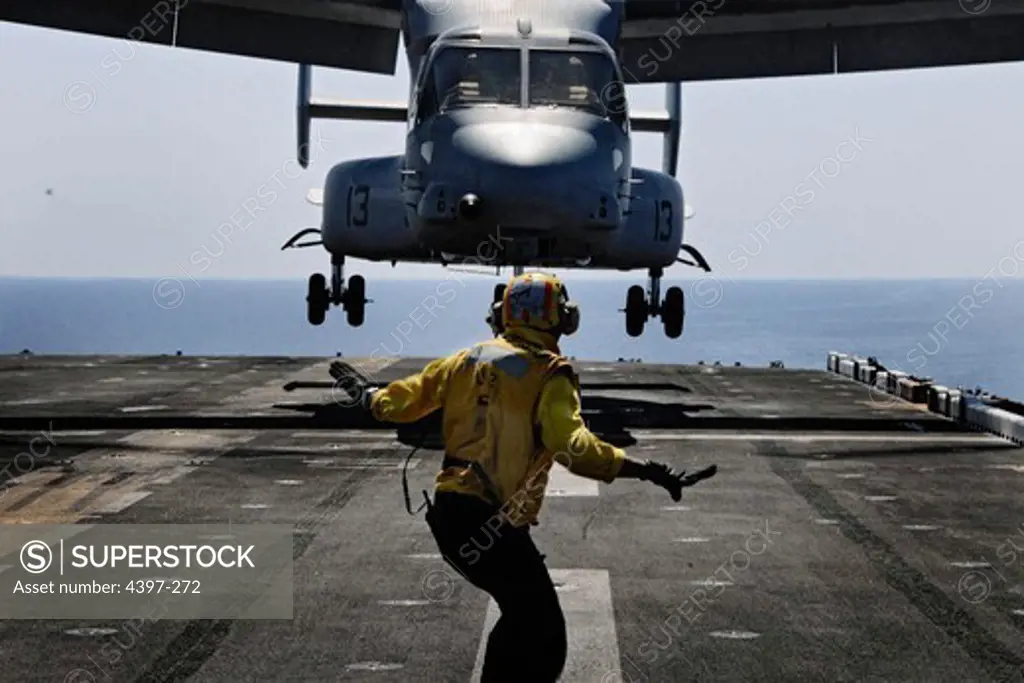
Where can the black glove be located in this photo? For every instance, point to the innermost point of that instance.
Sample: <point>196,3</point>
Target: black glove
<point>662,475</point>
<point>351,388</point>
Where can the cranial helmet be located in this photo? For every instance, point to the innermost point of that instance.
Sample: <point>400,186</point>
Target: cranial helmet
<point>538,301</point>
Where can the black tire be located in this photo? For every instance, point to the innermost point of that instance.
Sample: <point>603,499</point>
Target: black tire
<point>317,299</point>
<point>636,311</point>
<point>673,312</point>
<point>499,292</point>
<point>355,300</point>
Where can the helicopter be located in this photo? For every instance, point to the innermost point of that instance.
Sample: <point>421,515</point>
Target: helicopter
<point>517,151</point>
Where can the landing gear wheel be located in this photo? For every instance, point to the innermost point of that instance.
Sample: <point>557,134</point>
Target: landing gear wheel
<point>672,312</point>
<point>317,299</point>
<point>636,311</point>
<point>355,300</point>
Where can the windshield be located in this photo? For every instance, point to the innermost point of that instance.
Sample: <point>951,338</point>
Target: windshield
<point>580,80</point>
<point>464,77</point>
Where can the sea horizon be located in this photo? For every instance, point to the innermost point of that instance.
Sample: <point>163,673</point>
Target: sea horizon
<point>959,331</point>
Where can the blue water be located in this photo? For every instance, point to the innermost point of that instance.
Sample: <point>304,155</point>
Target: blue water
<point>924,327</point>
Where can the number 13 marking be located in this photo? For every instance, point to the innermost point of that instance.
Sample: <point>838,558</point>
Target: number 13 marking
<point>361,215</point>
<point>662,210</point>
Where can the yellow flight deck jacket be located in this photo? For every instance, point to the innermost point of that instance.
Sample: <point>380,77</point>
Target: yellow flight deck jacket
<point>511,408</point>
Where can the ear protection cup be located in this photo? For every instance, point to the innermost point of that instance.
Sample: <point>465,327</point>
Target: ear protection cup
<point>568,316</point>
<point>494,318</point>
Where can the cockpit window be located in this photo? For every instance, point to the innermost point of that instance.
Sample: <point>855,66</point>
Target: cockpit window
<point>466,77</point>
<point>578,80</point>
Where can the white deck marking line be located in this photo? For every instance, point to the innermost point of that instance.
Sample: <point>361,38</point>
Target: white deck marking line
<point>1013,468</point>
<point>809,437</point>
<point>79,432</point>
<point>374,666</point>
<point>735,635</point>
<point>170,476</point>
<point>362,464</point>
<point>562,483</point>
<point>122,503</point>
<point>590,622</point>
<point>392,446</point>
<point>376,434</point>
<point>711,583</point>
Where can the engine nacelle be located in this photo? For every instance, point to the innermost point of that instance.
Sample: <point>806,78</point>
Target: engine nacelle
<point>653,230</point>
<point>364,213</point>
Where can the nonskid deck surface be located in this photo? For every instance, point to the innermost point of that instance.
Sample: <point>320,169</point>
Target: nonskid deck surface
<point>848,536</point>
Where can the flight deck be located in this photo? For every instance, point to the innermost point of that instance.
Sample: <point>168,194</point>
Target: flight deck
<point>863,525</point>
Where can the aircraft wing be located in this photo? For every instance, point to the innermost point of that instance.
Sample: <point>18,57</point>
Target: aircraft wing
<point>361,35</point>
<point>666,40</point>
<point>661,40</point>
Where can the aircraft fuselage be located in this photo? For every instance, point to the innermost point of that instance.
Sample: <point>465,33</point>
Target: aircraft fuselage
<point>517,152</point>
<point>517,134</point>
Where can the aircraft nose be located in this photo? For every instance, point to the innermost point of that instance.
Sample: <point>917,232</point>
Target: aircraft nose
<point>524,145</point>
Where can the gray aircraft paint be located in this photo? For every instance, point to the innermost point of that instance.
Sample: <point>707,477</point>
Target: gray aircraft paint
<point>556,183</point>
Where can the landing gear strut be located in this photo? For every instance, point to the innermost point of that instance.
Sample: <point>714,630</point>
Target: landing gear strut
<point>352,298</point>
<point>641,305</point>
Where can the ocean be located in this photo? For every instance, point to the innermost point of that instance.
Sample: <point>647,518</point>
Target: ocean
<point>959,332</point>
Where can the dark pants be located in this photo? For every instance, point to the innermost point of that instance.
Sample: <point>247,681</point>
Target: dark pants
<point>529,642</point>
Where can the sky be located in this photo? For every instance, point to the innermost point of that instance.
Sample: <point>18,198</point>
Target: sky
<point>148,149</point>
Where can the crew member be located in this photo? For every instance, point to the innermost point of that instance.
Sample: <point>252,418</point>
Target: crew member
<point>511,407</point>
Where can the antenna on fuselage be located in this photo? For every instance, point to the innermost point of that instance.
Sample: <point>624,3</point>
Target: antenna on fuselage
<point>674,131</point>
<point>174,29</point>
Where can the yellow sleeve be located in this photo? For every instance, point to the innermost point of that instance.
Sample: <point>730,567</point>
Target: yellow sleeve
<point>416,396</point>
<point>564,434</point>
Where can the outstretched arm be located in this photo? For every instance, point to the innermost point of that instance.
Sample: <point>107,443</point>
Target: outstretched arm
<point>564,433</point>
<point>414,397</point>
